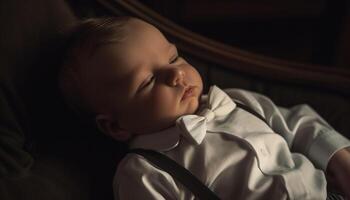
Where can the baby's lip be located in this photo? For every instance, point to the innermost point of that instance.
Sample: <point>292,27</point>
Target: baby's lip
<point>187,92</point>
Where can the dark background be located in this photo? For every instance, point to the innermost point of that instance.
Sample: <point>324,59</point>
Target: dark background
<point>46,152</point>
<point>312,31</point>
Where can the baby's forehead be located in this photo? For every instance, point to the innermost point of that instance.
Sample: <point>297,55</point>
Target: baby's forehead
<point>110,65</point>
<point>134,51</point>
<point>138,49</point>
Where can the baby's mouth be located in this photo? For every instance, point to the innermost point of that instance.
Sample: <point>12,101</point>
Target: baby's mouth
<point>188,92</point>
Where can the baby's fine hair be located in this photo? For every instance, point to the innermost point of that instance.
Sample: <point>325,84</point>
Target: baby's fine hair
<point>82,40</point>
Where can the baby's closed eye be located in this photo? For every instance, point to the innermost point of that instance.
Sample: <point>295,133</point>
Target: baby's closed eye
<point>150,80</point>
<point>174,59</point>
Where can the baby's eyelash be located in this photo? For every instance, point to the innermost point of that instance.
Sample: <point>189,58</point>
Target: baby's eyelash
<point>149,81</point>
<point>146,83</point>
<point>174,59</point>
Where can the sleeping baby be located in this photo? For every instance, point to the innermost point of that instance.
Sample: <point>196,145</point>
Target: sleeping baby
<point>125,74</point>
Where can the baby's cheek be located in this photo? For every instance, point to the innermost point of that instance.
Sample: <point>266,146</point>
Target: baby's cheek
<point>164,104</point>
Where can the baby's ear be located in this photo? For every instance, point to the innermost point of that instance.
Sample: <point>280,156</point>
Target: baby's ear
<point>109,126</point>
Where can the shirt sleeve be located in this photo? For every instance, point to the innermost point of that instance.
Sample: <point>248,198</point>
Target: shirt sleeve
<point>136,179</point>
<point>303,129</point>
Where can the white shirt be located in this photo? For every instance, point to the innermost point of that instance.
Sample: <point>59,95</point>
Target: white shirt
<point>240,157</point>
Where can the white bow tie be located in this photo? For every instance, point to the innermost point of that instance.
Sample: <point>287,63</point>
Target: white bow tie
<point>194,127</point>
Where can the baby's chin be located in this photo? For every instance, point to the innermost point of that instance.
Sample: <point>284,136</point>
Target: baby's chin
<point>170,122</point>
<point>161,124</point>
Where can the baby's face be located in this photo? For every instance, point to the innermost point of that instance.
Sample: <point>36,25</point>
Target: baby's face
<point>147,84</point>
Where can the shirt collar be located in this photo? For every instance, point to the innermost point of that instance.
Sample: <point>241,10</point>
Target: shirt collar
<point>166,139</point>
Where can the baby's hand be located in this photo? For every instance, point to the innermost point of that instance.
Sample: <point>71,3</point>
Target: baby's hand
<point>338,172</point>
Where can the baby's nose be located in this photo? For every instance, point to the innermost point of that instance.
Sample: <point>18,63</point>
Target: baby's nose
<point>176,76</point>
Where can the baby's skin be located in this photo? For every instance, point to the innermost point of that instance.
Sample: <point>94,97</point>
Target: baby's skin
<point>141,85</point>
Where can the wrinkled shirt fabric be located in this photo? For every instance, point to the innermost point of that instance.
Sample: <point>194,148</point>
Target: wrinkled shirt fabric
<point>236,154</point>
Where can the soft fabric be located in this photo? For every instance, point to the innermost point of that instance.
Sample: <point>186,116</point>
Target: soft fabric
<point>15,161</point>
<point>30,46</point>
<point>194,126</point>
<point>239,157</point>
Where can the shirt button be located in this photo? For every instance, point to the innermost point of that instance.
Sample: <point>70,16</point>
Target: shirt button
<point>263,152</point>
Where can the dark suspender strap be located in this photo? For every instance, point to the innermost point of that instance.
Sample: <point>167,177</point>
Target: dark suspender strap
<point>185,177</point>
<point>251,111</point>
<point>178,172</point>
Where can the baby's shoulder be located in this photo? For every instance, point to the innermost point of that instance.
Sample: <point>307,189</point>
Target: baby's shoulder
<point>238,92</point>
<point>245,96</point>
<point>134,163</point>
<point>134,169</point>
